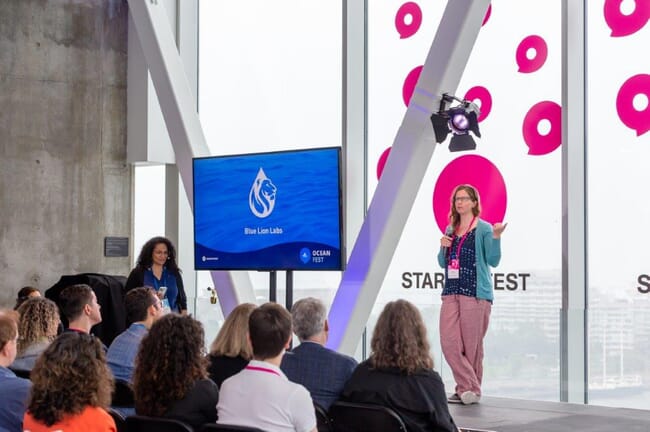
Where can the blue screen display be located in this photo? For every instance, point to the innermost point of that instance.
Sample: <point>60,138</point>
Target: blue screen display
<point>268,211</point>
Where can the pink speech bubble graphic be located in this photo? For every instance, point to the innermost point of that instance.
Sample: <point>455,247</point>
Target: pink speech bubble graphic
<point>536,43</point>
<point>382,162</point>
<point>487,15</point>
<point>483,95</point>
<point>537,143</point>
<point>404,29</point>
<point>409,84</point>
<point>625,25</point>
<point>480,173</point>
<point>637,120</point>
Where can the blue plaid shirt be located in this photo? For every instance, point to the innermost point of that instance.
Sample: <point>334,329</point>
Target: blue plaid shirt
<point>14,393</point>
<point>122,352</point>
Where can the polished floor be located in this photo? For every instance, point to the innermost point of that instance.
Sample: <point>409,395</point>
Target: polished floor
<point>510,415</point>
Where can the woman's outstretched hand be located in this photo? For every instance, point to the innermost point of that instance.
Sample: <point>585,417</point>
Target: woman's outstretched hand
<point>498,229</point>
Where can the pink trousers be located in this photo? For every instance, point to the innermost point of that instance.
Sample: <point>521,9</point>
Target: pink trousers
<point>463,325</point>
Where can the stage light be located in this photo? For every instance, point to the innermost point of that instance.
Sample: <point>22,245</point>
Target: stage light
<point>460,120</point>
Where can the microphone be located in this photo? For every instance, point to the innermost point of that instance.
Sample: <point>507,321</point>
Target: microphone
<point>448,232</point>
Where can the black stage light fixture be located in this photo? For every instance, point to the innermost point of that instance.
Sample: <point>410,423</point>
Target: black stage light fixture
<point>459,120</point>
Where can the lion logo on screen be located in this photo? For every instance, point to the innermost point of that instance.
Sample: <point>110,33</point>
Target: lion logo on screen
<point>261,198</point>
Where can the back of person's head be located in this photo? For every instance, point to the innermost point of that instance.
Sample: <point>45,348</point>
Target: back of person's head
<point>8,327</point>
<point>137,302</point>
<point>70,375</point>
<point>73,299</point>
<point>308,315</point>
<point>170,360</point>
<point>232,340</point>
<point>24,294</point>
<point>400,339</point>
<point>269,327</point>
<point>39,322</point>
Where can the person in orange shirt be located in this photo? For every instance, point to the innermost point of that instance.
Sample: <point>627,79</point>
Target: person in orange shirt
<point>72,387</point>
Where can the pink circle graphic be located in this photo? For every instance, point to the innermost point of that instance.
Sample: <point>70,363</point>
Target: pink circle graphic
<point>409,84</point>
<point>408,9</point>
<point>636,120</point>
<point>537,143</point>
<point>382,162</point>
<point>537,43</point>
<point>482,94</point>
<point>487,14</point>
<point>478,172</point>
<point>625,25</point>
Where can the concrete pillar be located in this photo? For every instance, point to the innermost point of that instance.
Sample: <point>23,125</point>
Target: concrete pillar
<point>64,181</point>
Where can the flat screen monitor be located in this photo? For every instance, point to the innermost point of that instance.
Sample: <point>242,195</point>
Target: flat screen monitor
<point>269,211</point>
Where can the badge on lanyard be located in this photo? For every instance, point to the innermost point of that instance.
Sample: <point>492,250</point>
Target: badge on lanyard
<point>453,269</point>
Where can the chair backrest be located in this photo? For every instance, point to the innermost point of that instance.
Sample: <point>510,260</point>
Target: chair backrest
<point>123,395</point>
<point>211,427</point>
<point>21,373</point>
<point>323,420</point>
<point>138,423</point>
<point>357,417</point>
<point>120,422</point>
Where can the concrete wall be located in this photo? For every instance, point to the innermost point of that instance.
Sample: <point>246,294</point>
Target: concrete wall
<point>64,180</point>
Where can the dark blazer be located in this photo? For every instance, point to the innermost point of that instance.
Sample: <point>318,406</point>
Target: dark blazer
<point>223,367</point>
<point>199,406</point>
<point>322,371</point>
<point>419,398</point>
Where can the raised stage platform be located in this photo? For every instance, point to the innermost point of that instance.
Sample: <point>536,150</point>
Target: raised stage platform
<point>515,415</point>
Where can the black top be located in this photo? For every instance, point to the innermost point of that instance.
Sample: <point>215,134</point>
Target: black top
<point>199,406</point>
<point>419,399</point>
<point>223,367</point>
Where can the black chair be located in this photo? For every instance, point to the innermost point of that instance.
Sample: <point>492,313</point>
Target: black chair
<point>123,395</point>
<point>120,422</point>
<point>211,427</point>
<point>21,373</point>
<point>138,423</point>
<point>323,420</point>
<point>357,417</point>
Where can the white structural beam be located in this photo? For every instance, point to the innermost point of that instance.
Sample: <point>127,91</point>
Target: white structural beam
<point>179,111</point>
<point>403,173</point>
<point>573,322</point>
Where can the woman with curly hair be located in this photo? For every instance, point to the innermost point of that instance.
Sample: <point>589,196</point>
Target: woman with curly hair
<point>72,387</point>
<point>399,373</point>
<point>38,326</point>
<point>230,352</point>
<point>170,378</point>
<point>157,268</point>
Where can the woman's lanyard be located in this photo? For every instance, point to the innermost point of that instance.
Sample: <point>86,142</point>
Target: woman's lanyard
<point>462,239</point>
<point>261,369</point>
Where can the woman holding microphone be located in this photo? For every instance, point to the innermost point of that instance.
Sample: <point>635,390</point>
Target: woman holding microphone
<point>470,247</point>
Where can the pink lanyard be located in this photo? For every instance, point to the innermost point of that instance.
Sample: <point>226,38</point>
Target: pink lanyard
<point>261,369</point>
<point>462,239</point>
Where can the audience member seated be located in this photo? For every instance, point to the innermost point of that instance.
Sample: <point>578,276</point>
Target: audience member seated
<point>398,374</point>
<point>261,396</point>
<point>72,387</point>
<point>322,371</point>
<point>143,307</point>
<point>24,294</point>
<point>230,352</point>
<point>38,326</point>
<point>171,378</point>
<point>79,306</point>
<point>14,391</point>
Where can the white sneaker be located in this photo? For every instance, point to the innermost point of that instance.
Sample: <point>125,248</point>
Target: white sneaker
<point>469,398</point>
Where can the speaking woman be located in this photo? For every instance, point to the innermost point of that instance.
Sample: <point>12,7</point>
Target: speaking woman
<point>470,246</point>
<point>157,268</point>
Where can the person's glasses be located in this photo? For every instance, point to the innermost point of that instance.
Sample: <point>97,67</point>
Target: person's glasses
<point>158,304</point>
<point>462,199</point>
